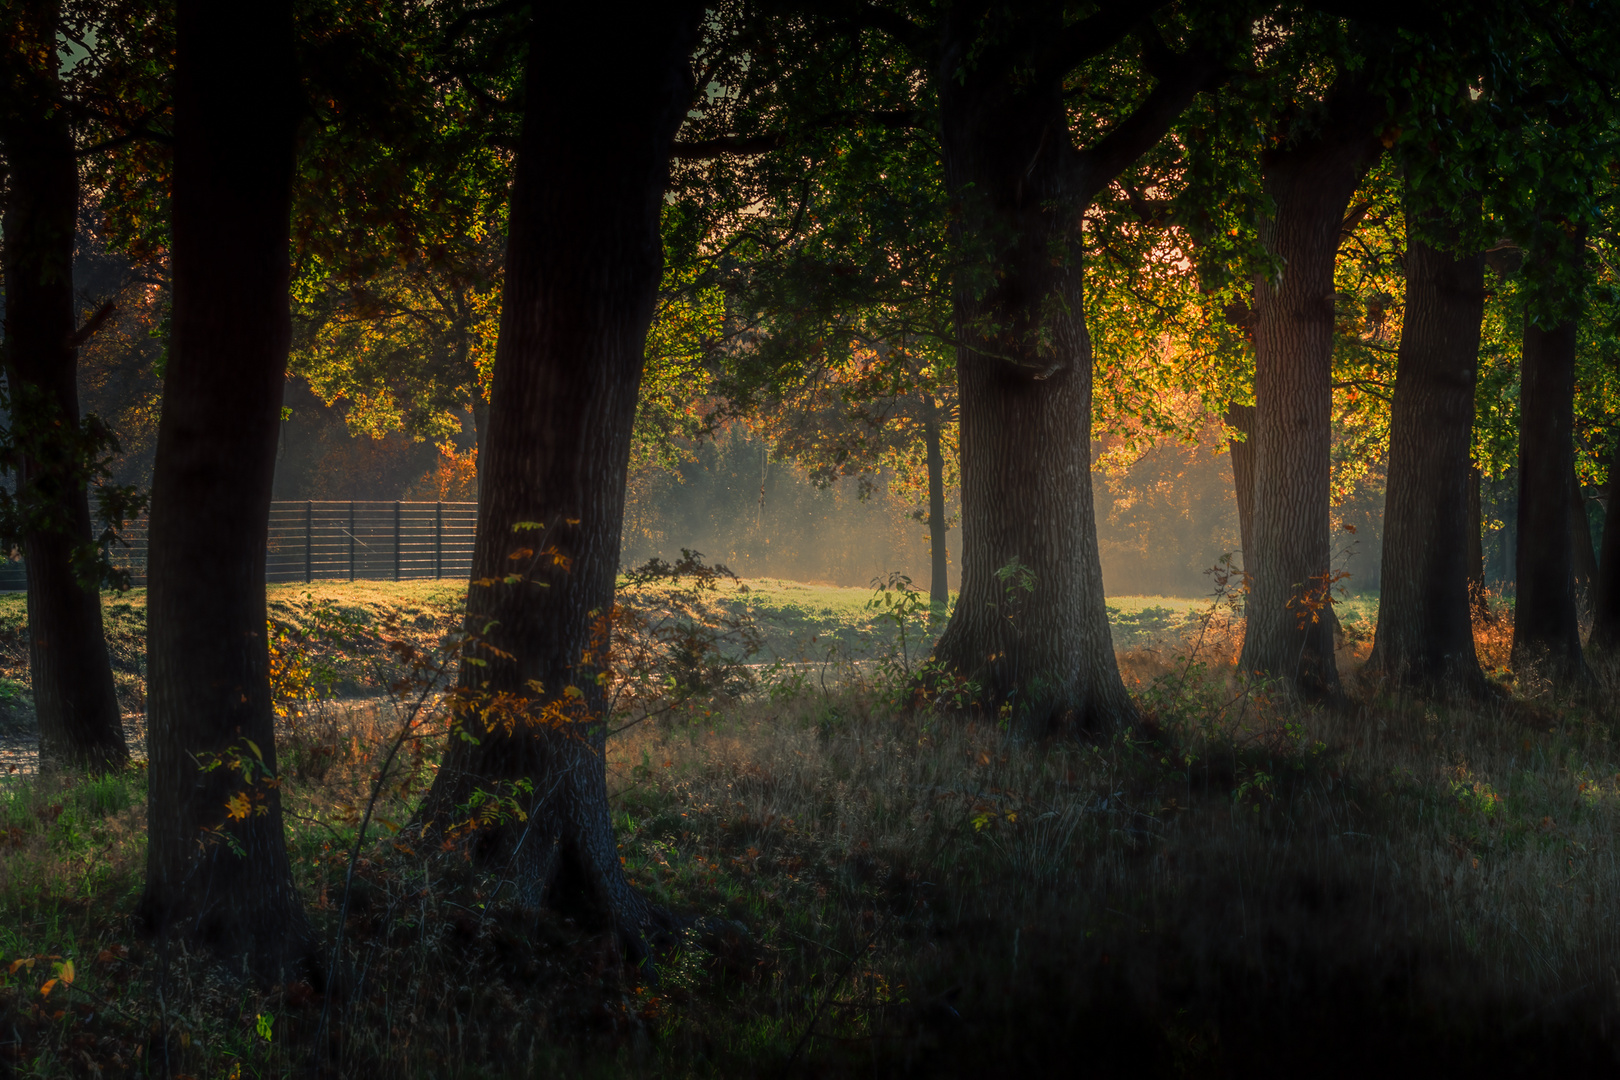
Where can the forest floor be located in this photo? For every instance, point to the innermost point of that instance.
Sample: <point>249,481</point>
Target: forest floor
<point>1241,887</point>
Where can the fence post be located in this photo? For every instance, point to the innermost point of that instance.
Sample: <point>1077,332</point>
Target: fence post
<point>396,540</point>
<point>309,541</point>
<point>438,539</point>
<point>351,539</point>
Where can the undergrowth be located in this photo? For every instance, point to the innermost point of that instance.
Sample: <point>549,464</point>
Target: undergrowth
<point>1241,885</point>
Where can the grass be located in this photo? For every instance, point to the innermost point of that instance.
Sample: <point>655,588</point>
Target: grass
<point>1245,887</point>
<point>798,620</point>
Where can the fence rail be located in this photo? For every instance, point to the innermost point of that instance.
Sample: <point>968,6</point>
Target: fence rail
<point>354,541</point>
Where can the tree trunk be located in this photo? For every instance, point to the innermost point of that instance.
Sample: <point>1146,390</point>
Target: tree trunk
<point>1289,629</point>
<point>215,876</point>
<point>1606,596</point>
<point>480,414</point>
<point>939,586</point>
<point>583,266</point>
<point>1030,627</point>
<point>1425,635</point>
<point>1585,563</point>
<point>1240,418</point>
<point>69,668</point>
<point>1546,629</point>
<point>1476,543</point>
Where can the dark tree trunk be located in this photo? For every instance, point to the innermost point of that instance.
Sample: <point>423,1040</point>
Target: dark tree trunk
<point>1425,636</point>
<point>939,585</point>
<point>1584,555</point>
<point>1476,543</point>
<point>1546,628</point>
<point>219,880</point>
<point>69,668</point>
<point>1030,625</point>
<point>1606,596</point>
<point>583,266</point>
<point>480,413</point>
<point>1289,629</point>
<point>1240,418</point>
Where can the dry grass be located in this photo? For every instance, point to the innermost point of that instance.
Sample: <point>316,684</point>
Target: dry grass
<point>1260,886</point>
<point>1253,888</point>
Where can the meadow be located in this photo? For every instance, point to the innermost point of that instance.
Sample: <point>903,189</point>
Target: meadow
<point>1238,886</point>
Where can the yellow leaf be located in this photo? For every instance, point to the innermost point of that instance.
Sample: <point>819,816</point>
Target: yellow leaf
<point>45,991</point>
<point>67,972</point>
<point>237,806</point>
<point>392,827</point>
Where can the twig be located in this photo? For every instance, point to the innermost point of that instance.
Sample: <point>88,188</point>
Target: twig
<point>412,713</point>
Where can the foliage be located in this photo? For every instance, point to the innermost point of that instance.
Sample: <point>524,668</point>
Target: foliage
<point>674,643</point>
<point>49,457</point>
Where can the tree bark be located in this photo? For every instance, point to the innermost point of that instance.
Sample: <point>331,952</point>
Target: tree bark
<point>1289,627</point>
<point>69,668</point>
<point>215,877</point>
<point>1606,596</point>
<point>1240,418</point>
<point>1425,634</point>
<point>1030,627</point>
<point>583,265</point>
<point>1476,543</point>
<point>480,414</point>
<point>939,585</point>
<point>1585,562</point>
<point>1546,628</point>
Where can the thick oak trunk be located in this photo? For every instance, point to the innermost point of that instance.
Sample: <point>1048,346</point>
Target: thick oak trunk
<point>583,265</point>
<point>939,585</point>
<point>1289,629</point>
<point>69,668</point>
<point>214,876</point>
<point>1030,627</point>
<point>1546,628</point>
<point>1425,635</point>
<point>480,414</point>
<point>1240,418</point>
<point>1606,596</point>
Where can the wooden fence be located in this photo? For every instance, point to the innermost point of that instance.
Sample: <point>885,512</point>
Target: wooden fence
<point>343,541</point>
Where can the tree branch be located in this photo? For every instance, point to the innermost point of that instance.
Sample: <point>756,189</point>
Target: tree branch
<point>87,331</point>
<point>707,149</point>
<point>1094,35</point>
<point>460,23</point>
<point>484,97</point>
<point>1153,213</point>
<point>1354,218</point>
<point>1178,84</point>
<point>871,17</point>
<point>127,137</point>
<point>741,145</point>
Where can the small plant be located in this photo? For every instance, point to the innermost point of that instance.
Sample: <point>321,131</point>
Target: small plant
<point>669,642</point>
<point>895,603</point>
